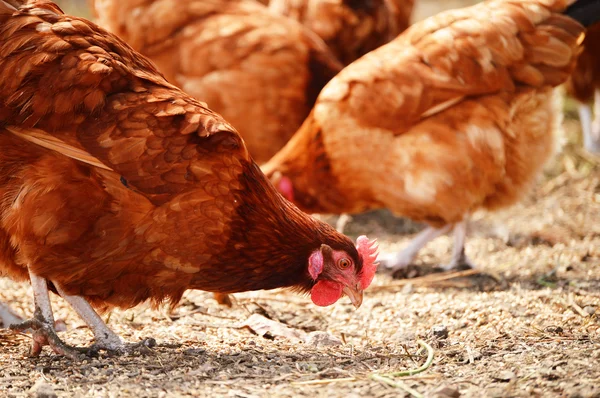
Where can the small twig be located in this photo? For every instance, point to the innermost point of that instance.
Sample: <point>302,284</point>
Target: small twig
<point>397,384</point>
<point>408,354</point>
<point>577,308</point>
<point>217,326</point>
<point>323,381</point>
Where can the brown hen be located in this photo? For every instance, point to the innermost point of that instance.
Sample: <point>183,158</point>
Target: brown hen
<point>584,85</point>
<point>351,28</point>
<point>118,188</point>
<point>456,114</point>
<point>261,71</point>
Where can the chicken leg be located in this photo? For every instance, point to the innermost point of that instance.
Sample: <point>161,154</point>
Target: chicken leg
<point>590,124</point>
<point>341,222</point>
<point>105,338</point>
<point>395,261</point>
<point>402,259</point>
<point>45,334</point>
<point>42,323</point>
<point>459,258</point>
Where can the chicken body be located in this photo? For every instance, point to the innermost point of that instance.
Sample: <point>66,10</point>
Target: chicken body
<point>584,85</point>
<point>118,188</point>
<point>456,114</point>
<point>351,28</point>
<point>261,71</point>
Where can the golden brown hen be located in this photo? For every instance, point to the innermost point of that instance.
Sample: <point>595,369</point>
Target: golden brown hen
<point>584,85</point>
<point>118,188</point>
<point>454,115</point>
<point>351,28</point>
<point>261,71</point>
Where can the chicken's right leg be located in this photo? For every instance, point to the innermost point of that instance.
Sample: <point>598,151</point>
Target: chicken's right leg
<point>104,337</point>
<point>42,323</point>
<point>396,261</point>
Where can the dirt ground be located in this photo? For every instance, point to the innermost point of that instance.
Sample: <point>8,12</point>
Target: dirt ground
<point>528,326</point>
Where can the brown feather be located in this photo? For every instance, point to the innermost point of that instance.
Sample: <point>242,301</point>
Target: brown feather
<point>119,187</point>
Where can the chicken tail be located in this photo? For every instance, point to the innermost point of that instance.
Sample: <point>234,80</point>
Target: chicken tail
<point>586,12</point>
<point>12,5</point>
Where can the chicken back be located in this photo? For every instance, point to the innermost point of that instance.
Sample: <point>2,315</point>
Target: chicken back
<point>351,28</point>
<point>259,70</point>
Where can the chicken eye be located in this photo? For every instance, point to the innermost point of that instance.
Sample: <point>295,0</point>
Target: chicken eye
<point>344,263</point>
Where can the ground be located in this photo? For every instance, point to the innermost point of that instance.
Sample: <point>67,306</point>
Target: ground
<point>529,327</point>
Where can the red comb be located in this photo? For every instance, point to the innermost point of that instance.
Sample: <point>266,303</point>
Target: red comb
<point>368,250</point>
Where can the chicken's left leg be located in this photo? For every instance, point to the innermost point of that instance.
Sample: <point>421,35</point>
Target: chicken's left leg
<point>42,323</point>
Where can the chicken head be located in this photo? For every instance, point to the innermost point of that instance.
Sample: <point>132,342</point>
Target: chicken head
<point>335,273</point>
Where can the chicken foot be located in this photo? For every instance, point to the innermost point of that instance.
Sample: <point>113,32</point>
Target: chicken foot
<point>395,261</point>
<point>42,323</point>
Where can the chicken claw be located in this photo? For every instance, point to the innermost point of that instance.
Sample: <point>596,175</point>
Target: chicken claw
<point>142,347</point>
<point>45,334</point>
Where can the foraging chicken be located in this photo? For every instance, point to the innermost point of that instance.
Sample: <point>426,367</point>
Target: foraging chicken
<point>456,114</point>
<point>351,28</point>
<point>119,188</point>
<point>259,70</point>
<point>584,85</point>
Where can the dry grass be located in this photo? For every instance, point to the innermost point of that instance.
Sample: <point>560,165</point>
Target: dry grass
<point>530,331</point>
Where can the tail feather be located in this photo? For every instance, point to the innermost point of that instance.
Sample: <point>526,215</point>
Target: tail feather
<point>586,12</point>
<point>8,7</point>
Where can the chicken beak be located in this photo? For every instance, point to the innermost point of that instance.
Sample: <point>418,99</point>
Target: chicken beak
<point>355,294</point>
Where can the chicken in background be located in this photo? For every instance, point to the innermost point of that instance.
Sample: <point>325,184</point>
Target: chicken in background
<point>584,86</point>
<point>118,188</point>
<point>8,316</point>
<point>259,70</point>
<point>351,28</point>
<point>457,114</point>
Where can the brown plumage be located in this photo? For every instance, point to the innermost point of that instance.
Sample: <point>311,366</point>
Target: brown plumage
<point>455,115</point>
<point>351,28</point>
<point>259,70</point>
<point>584,85</point>
<point>118,188</point>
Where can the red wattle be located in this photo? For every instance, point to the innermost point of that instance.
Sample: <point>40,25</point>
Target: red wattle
<point>325,293</point>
